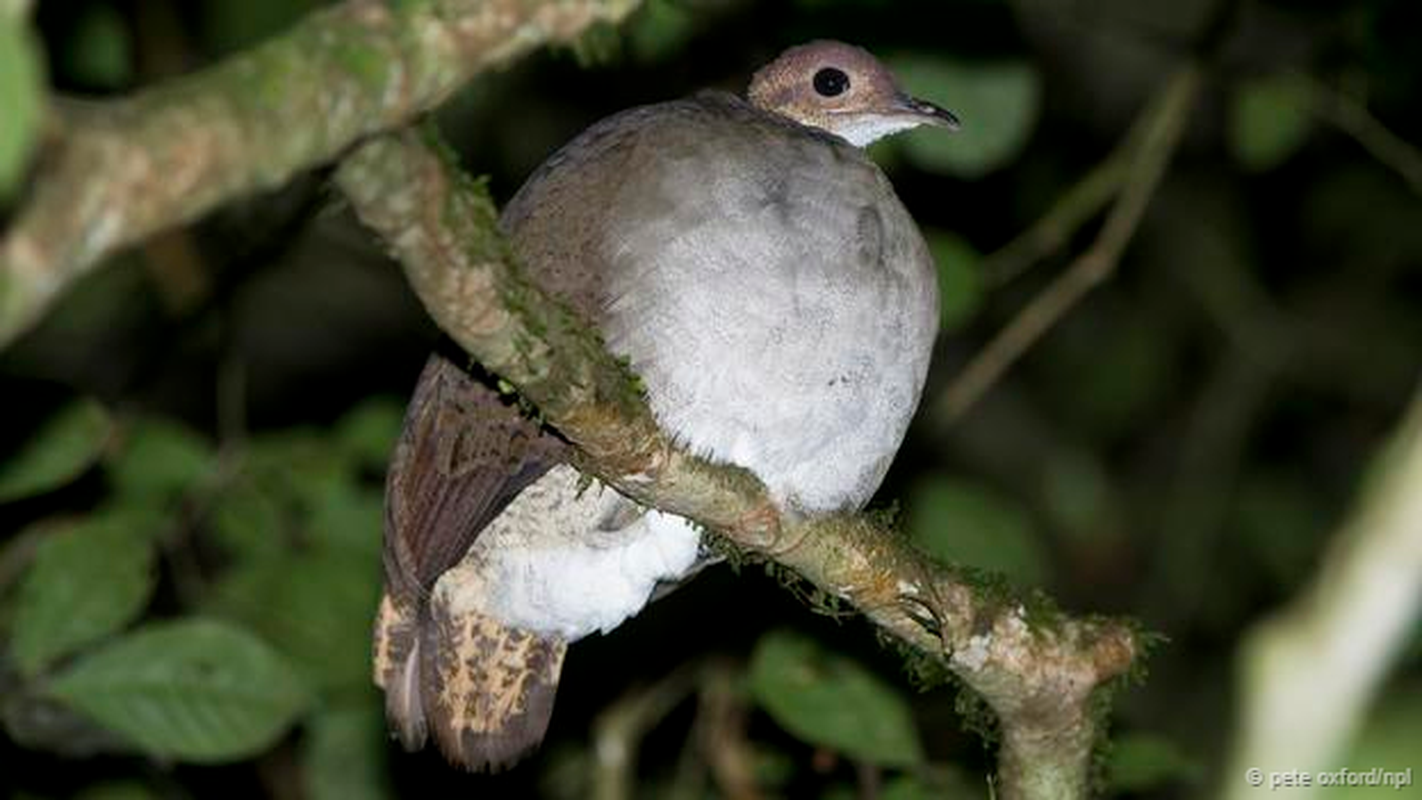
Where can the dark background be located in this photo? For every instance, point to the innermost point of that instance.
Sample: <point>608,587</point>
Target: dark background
<point>1178,449</point>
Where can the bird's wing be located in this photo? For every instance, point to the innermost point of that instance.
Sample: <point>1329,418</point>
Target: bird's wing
<point>463,455</point>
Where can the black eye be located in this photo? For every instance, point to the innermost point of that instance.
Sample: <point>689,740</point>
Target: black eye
<point>830,82</point>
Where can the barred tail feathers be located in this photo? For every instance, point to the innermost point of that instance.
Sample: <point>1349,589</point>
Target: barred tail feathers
<point>483,689</point>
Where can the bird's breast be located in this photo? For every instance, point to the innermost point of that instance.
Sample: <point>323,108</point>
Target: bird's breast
<point>780,321</point>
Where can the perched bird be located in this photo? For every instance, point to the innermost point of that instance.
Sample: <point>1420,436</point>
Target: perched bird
<point>779,304</point>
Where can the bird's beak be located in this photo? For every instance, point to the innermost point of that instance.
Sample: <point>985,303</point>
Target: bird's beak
<point>930,113</point>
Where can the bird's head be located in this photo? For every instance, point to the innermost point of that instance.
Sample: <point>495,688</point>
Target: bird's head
<point>844,90</point>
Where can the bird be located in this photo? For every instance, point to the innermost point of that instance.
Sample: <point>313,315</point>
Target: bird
<point>757,272</point>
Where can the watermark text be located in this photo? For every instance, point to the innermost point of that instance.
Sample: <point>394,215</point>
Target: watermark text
<point>1298,779</point>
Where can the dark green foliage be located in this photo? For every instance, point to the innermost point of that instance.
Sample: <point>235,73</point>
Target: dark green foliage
<point>960,522</point>
<point>63,446</point>
<point>159,461</point>
<point>274,553</point>
<point>829,700</point>
<point>194,689</point>
<point>86,580</point>
<point>1142,762</point>
<point>999,101</point>
<point>22,85</point>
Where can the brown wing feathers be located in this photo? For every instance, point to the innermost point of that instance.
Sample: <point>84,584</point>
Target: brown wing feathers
<point>483,689</point>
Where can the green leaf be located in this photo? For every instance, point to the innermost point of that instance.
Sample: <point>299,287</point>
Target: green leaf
<point>22,87</point>
<point>344,754</point>
<point>998,103</point>
<point>1268,120</point>
<point>315,607</point>
<point>161,459</point>
<point>348,516</point>
<point>86,581</point>
<point>310,477</point>
<point>1144,762</point>
<point>299,464</point>
<point>64,446</point>
<point>191,689</point>
<point>832,701</point>
<point>659,29</point>
<point>99,53</point>
<point>600,44</point>
<point>367,433</point>
<point>960,283</point>
<point>231,25</point>
<point>250,521</point>
<point>962,522</point>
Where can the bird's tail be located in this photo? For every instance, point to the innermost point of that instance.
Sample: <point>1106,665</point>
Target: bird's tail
<point>483,689</point>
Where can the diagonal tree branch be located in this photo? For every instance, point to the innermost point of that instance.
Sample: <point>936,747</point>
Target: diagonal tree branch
<point>1147,152</point>
<point>129,168</point>
<point>1037,669</point>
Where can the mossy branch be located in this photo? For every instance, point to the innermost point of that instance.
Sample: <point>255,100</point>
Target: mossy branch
<point>128,168</point>
<point>1037,669</point>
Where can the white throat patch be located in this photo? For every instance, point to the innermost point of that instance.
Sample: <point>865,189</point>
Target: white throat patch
<point>861,130</point>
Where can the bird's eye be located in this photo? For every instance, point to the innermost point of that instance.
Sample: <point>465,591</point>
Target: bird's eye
<point>831,82</point>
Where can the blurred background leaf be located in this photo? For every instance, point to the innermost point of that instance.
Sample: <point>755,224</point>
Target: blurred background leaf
<point>1269,120</point>
<point>962,522</point>
<point>230,25</point>
<point>87,579</point>
<point>1142,762</point>
<point>831,701</point>
<point>22,85</point>
<point>65,445</point>
<point>159,460</point>
<point>366,434</point>
<point>998,103</point>
<point>344,753</point>
<point>960,282</point>
<point>195,689</point>
<point>99,53</point>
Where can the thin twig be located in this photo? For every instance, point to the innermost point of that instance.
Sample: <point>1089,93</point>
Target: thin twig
<point>723,733</point>
<point>619,729</point>
<point>1353,118</point>
<point>1163,122</point>
<point>1054,229</point>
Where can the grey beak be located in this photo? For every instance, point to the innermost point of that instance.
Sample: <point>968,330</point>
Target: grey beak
<point>937,115</point>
